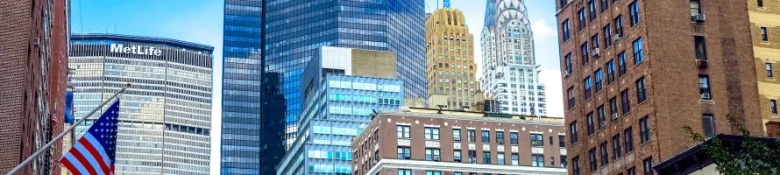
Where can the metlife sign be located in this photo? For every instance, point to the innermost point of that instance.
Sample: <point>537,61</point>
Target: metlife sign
<point>138,50</point>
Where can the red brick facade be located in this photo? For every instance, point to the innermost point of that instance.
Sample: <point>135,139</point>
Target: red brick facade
<point>670,73</point>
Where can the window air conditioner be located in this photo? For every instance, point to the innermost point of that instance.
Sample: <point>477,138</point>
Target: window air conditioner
<point>698,18</point>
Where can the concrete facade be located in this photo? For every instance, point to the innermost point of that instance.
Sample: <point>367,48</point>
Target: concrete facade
<point>453,133</point>
<point>767,57</point>
<point>670,72</point>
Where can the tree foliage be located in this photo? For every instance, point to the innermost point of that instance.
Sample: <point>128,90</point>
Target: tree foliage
<point>750,157</point>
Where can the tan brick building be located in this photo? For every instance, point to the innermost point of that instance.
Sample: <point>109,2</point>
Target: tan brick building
<point>765,30</point>
<point>33,56</point>
<point>637,71</point>
<point>422,141</point>
<point>451,67</point>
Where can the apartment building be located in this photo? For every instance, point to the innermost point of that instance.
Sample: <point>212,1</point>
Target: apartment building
<point>436,142</point>
<point>764,31</point>
<point>637,71</point>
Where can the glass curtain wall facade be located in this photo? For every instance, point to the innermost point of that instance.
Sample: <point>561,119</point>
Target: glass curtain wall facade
<point>294,29</point>
<point>511,75</point>
<point>165,116</point>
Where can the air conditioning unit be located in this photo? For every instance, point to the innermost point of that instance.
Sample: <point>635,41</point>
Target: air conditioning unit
<point>616,37</point>
<point>700,63</point>
<point>500,141</point>
<point>614,116</point>
<point>567,73</point>
<point>698,18</point>
<point>596,52</point>
<point>436,158</point>
<point>705,96</point>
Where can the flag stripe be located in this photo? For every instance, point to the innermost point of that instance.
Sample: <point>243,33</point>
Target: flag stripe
<point>81,160</point>
<point>99,147</point>
<point>75,168</point>
<point>89,157</point>
<point>95,159</point>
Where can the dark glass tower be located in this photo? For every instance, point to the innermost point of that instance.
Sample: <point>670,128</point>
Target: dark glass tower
<point>294,29</point>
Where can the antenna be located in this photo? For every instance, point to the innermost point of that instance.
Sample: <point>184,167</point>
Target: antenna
<point>446,4</point>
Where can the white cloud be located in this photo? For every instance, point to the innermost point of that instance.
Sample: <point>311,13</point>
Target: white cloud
<point>541,30</point>
<point>552,81</point>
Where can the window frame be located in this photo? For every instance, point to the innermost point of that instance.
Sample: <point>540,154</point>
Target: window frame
<point>773,106</point>
<point>486,158</point>
<point>472,135</point>
<point>485,136</point>
<point>431,153</point>
<point>704,90</point>
<point>515,159</point>
<point>581,19</point>
<point>708,125</point>
<point>622,69</point>
<point>592,160</point>
<point>628,140</point>
<point>513,138</point>
<point>405,151</point>
<point>634,13</point>
<point>625,102</point>
<point>405,131</point>
<point>573,131</point>
<point>432,133</point>
<point>585,53</point>
<point>641,90</point>
<point>644,129</point>
<point>764,34</point>
<point>565,30</point>
<point>591,124</point>
<point>603,154</point>
<point>599,74</point>
<point>537,160</point>
<point>616,149</point>
<point>607,30</point>
<point>700,47</point>
<point>535,141</point>
<point>456,135</point>
<point>639,55</point>
<point>769,70</point>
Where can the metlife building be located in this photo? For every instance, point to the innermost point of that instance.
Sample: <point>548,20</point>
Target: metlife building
<point>165,116</point>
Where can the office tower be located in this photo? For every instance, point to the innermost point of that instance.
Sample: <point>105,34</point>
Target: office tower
<point>33,58</point>
<point>293,34</point>
<point>451,67</point>
<point>438,142</point>
<point>242,131</point>
<point>165,116</point>
<point>763,23</point>
<point>637,71</point>
<point>341,89</point>
<point>511,75</point>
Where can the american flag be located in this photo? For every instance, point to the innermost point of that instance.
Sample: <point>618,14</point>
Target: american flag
<point>95,152</point>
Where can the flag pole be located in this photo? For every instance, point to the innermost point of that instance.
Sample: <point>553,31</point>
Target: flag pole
<point>59,137</point>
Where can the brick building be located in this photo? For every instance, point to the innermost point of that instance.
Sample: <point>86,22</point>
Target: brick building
<point>637,71</point>
<point>33,55</point>
<point>446,142</point>
<point>764,31</point>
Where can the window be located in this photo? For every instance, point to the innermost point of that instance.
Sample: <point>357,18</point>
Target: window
<point>619,25</point>
<point>647,164</point>
<point>568,64</point>
<point>575,165</point>
<point>625,103</point>
<point>641,95</point>
<point>599,80</point>
<point>562,141</point>
<point>472,156</point>
<point>485,137</point>
<point>592,157</point>
<point>773,106</point>
<point>708,124</point>
<point>456,135</point>
<point>570,95</point>
<point>537,160</point>
<point>616,150</point>
<point>607,35</point>
<point>573,132</point>
<point>628,139</point>
<point>704,87</point>
<point>564,162</point>
<point>633,9</point>
<point>563,3</point>
<point>591,10</point>
<point>764,35</point>
<point>695,7</point>
<point>565,30</point>
<point>594,41</point>
<point>604,5</point>
<point>769,73</point>
<point>760,3</point>
<point>701,47</point>
<point>404,153</point>
<point>431,133</point>
<point>644,130</point>
<point>613,110</point>
<point>621,63</point>
<point>403,131</point>
<point>500,157</point>
<point>404,172</point>
<point>456,156</point>
<point>585,53</point>
<point>513,138</point>
<point>639,55</point>
<point>588,83</point>
<point>631,171</point>
<point>432,154</point>
<point>515,159</point>
<point>486,157</point>
<point>432,172</point>
<point>603,153</point>
<point>581,19</point>
<point>591,127</point>
<point>472,135</point>
<point>500,137</point>
<point>602,116</point>
<point>537,140</point>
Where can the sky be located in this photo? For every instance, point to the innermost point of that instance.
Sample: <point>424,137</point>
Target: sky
<point>200,21</point>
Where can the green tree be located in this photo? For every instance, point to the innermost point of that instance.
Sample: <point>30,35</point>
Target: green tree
<point>750,157</point>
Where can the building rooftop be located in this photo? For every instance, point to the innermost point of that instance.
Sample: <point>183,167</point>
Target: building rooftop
<point>132,38</point>
<point>475,115</point>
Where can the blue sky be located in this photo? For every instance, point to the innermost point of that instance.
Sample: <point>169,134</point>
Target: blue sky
<point>200,21</point>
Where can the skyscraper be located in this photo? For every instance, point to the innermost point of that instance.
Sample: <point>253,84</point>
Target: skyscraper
<point>451,67</point>
<point>637,72</point>
<point>33,60</point>
<point>293,33</point>
<point>511,75</point>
